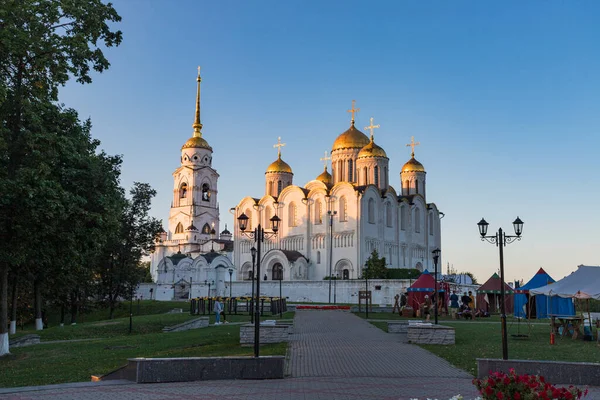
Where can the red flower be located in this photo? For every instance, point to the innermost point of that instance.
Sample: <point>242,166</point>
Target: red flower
<point>489,390</point>
<point>517,396</point>
<point>499,395</point>
<point>506,381</point>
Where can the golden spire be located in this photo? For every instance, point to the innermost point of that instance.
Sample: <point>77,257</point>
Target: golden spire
<point>353,110</point>
<point>325,159</point>
<point>371,127</point>
<point>279,145</point>
<point>413,144</point>
<point>197,125</point>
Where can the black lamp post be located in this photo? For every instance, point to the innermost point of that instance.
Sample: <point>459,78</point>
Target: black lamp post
<point>436,258</point>
<point>501,239</point>
<point>253,252</point>
<point>335,287</point>
<point>191,288</point>
<point>331,215</point>
<point>212,238</point>
<point>230,274</point>
<point>258,236</point>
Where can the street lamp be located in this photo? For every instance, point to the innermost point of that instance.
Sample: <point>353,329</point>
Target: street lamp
<point>501,239</point>
<point>436,258</point>
<point>230,273</point>
<point>190,288</point>
<point>331,215</point>
<point>253,252</point>
<point>258,236</point>
<point>366,276</point>
<point>212,238</point>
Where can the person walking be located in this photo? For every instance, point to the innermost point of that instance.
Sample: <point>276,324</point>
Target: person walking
<point>427,307</point>
<point>454,304</point>
<point>218,307</point>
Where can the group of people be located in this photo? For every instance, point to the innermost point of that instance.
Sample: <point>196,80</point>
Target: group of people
<point>218,308</point>
<point>459,307</point>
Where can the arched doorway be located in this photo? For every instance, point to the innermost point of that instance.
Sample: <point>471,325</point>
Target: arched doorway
<point>277,273</point>
<point>346,274</point>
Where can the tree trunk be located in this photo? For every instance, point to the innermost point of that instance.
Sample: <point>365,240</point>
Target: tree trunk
<point>37,294</point>
<point>4,349</point>
<point>13,311</point>
<point>74,307</point>
<point>62,314</point>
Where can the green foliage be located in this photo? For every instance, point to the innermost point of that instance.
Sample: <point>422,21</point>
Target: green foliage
<point>403,273</point>
<point>375,267</point>
<point>147,276</point>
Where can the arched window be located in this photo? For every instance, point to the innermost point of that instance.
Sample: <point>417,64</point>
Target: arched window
<point>419,266</point>
<point>431,223</point>
<point>407,186</point>
<point>277,273</point>
<point>366,176</point>
<point>341,170</point>
<point>183,190</point>
<point>371,212</point>
<point>343,212</point>
<point>179,228</point>
<point>376,182</point>
<point>206,229</point>
<point>205,192</point>
<point>270,188</point>
<point>385,176</point>
<point>279,187</point>
<point>318,257</point>
<point>345,274</point>
<point>416,186</point>
<point>318,212</point>
<point>248,213</point>
<point>417,220</point>
<point>292,214</point>
<point>388,214</point>
<point>403,217</point>
<point>250,276</point>
<point>268,216</point>
<point>350,170</point>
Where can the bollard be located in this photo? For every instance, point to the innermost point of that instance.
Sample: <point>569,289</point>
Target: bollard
<point>551,337</point>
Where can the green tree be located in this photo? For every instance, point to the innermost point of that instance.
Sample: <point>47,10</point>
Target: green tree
<point>43,43</point>
<point>469,274</point>
<point>375,267</point>
<point>147,276</point>
<point>120,273</point>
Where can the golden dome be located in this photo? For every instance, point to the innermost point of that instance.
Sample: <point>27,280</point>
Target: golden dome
<point>325,177</point>
<point>372,150</point>
<point>351,139</point>
<point>279,166</point>
<point>196,142</point>
<point>413,166</point>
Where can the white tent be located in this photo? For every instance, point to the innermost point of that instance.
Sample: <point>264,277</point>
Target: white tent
<point>584,283</point>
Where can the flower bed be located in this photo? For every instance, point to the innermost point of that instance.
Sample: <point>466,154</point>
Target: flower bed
<point>307,307</point>
<point>499,385</point>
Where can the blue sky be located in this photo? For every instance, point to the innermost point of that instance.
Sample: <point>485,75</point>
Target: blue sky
<point>502,96</point>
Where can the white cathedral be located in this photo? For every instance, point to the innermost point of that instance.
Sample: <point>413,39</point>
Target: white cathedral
<point>333,223</point>
<point>190,252</point>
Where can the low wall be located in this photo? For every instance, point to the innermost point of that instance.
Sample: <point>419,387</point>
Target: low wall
<point>555,372</point>
<point>195,323</point>
<point>278,333</point>
<point>431,334</point>
<point>346,291</point>
<point>401,326</point>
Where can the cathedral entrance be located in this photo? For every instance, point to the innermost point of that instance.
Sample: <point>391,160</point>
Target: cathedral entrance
<point>277,273</point>
<point>345,274</point>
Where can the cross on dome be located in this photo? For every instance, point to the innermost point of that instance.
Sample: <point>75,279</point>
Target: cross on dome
<point>372,127</point>
<point>279,145</point>
<point>353,111</point>
<point>326,158</point>
<point>413,144</point>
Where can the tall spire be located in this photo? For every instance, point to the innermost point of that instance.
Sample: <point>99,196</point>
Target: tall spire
<point>197,125</point>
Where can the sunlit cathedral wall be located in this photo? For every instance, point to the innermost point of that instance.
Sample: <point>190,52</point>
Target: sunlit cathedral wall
<point>368,214</point>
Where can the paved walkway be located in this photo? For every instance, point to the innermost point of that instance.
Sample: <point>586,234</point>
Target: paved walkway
<point>334,355</point>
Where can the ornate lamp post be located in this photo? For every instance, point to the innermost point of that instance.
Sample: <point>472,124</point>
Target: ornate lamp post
<point>436,257</point>
<point>280,276</point>
<point>207,282</point>
<point>335,287</point>
<point>253,252</point>
<point>230,274</point>
<point>501,239</point>
<point>331,215</point>
<point>258,236</point>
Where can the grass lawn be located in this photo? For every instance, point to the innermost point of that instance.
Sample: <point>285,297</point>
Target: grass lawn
<point>480,340</point>
<point>45,364</point>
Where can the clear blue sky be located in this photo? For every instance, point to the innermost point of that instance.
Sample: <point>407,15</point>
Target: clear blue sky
<point>503,97</point>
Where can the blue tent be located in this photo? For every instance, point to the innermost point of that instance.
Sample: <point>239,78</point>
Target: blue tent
<point>540,306</point>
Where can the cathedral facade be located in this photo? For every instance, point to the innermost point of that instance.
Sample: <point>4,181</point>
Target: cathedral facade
<point>191,252</point>
<point>332,224</point>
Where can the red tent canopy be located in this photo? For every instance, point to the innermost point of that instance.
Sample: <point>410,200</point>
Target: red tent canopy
<point>424,285</point>
<point>488,295</point>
